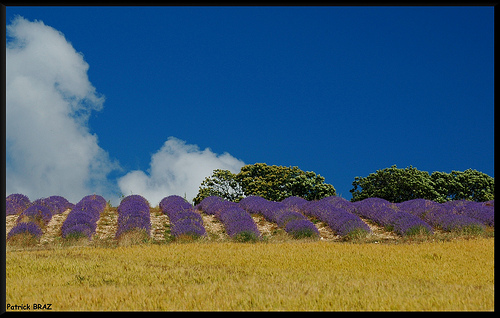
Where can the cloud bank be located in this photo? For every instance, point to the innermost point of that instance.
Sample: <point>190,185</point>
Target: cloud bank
<point>177,168</point>
<point>49,149</point>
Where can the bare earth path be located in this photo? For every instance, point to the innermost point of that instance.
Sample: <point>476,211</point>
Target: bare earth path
<point>53,230</point>
<point>107,224</point>
<point>159,223</point>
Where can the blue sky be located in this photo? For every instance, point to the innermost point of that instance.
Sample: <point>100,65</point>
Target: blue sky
<point>341,91</point>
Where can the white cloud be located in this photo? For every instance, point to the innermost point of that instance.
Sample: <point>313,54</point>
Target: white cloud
<point>49,98</point>
<point>177,168</point>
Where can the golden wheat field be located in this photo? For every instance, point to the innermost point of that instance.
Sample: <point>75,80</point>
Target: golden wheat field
<point>382,272</point>
<point>450,275</point>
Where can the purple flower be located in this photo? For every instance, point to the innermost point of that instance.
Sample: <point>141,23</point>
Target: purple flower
<point>135,197</point>
<point>87,207</point>
<point>78,218</point>
<point>301,228</point>
<point>257,205</point>
<point>377,210</point>
<point>82,219</point>
<point>443,217</point>
<point>294,202</point>
<point>185,214</point>
<point>133,214</point>
<point>341,221</point>
<point>174,203</point>
<point>339,202</point>
<point>189,227</point>
<point>16,203</point>
<point>183,218</point>
<point>37,213</point>
<point>237,222</point>
<point>206,202</point>
<point>476,210</point>
<point>288,216</point>
<point>98,201</point>
<point>129,223</point>
<point>26,228</point>
<point>418,207</point>
<point>405,223</point>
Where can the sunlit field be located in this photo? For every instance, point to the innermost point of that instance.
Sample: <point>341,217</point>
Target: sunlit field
<point>295,275</point>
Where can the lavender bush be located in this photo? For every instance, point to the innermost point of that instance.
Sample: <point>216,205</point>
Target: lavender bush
<point>16,203</point>
<point>183,218</point>
<point>37,213</point>
<point>341,221</point>
<point>82,219</point>
<point>133,214</point>
<point>294,203</point>
<point>417,207</point>
<point>476,210</point>
<point>406,224</point>
<point>258,205</point>
<point>238,224</point>
<point>281,213</point>
<point>206,204</point>
<point>287,216</point>
<point>25,228</point>
<point>377,210</point>
<point>299,228</point>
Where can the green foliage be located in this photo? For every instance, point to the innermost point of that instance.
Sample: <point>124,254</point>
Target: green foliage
<point>221,183</point>
<point>246,236</point>
<point>276,183</point>
<point>273,183</point>
<point>469,185</point>
<point>398,185</point>
<point>395,185</point>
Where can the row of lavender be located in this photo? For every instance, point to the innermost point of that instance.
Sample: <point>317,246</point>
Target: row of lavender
<point>237,222</point>
<point>33,217</point>
<point>342,216</point>
<point>184,221</point>
<point>83,217</point>
<point>293,222</point>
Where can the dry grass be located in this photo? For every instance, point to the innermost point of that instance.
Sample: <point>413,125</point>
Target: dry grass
<point>293,275</point>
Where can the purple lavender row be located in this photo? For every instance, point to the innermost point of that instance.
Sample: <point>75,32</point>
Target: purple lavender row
<point>34,217</point>
<point>133,214</point>
<point>335,213</point>
<point>292,221</point>
<point>183,219</point>
<point>440,215</point>
<point>16,203</point>
<point>237,222</point>
<point>391,216</point>
<point>481,211</point>
<point>82,220</point>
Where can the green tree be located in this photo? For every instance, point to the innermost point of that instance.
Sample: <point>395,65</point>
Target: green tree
<point>276,183</point>
<point>221,183</point>
<point>395,185</point>
<point>469,185</point>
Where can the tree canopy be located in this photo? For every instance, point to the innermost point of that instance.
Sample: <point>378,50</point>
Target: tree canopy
<point>398,185</point>
<point>469,185</point>
<point>273,183</point>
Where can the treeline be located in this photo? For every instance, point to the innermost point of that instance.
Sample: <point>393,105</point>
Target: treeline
<point>275,183</point>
